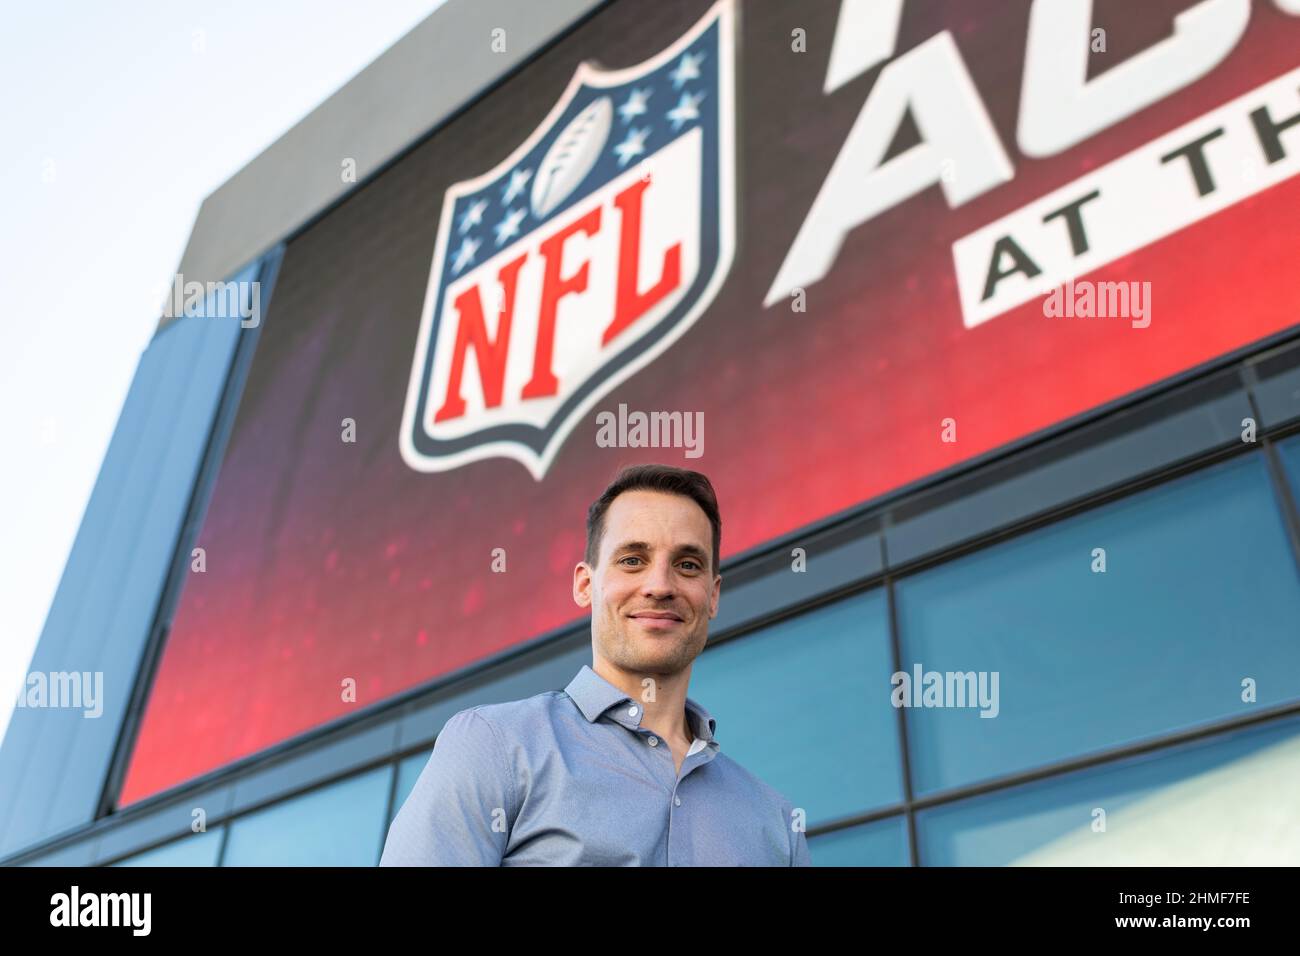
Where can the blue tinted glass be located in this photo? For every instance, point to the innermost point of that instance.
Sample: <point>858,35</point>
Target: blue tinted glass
<point>794,706</point>
<point>881,843</point>
<point>408,771</point>
<point>1290,450</point>
<point>1229,800</point>
<point>201,849</point>
<point>339,825</point>
<point>1200,592</point>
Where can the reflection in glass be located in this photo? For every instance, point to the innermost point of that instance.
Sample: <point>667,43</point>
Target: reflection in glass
<point>200,849</point>
<point>1228,800</point>
<point>338,825</point>
<point>804,705</point>
<point>879,843</point>
<point>1199,595</point>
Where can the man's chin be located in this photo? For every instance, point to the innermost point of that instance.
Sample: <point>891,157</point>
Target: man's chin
<point>666,652</point>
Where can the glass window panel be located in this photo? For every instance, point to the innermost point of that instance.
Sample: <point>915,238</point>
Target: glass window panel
<point>339,825</point>
<point>795,706</point>
<point>879,843</point>
<point>408,771</point>
<point>1200,592</point>
<point>1221,801</point>
<point>1290,450</point>
<point>200,849</point>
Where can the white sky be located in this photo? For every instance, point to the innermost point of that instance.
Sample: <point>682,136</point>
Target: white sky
<point>115,122</point>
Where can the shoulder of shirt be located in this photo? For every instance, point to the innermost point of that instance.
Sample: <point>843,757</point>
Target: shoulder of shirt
<point>512,717</point>
<point>509,714</point>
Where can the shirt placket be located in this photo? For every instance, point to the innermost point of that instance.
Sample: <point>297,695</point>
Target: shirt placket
<point>689,764</point>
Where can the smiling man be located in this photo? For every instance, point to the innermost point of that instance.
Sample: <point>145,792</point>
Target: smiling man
<point>621,768</point>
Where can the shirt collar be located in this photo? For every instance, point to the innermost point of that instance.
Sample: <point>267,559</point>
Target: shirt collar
<point>594,695</point>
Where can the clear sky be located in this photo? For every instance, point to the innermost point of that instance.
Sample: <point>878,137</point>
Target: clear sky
<point>115,122</point>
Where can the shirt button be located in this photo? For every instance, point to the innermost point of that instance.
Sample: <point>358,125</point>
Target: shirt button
<point>677,801</point>
<point>631,711</point>
<point>654,741</point>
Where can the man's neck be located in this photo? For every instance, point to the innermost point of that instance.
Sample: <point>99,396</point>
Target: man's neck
<point>664,695</point>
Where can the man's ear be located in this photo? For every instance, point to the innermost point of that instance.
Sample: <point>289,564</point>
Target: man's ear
<point>582,584</point>
<point>716,596</point>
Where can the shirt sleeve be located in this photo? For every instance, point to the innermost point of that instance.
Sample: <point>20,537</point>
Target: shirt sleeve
<point>460,810</point>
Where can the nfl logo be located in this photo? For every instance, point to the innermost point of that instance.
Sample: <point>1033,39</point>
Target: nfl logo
<point>579,259</point>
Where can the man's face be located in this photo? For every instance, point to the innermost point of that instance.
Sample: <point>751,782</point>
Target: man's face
<point>651,593</point>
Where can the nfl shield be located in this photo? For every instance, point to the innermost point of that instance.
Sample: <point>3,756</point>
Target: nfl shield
<point>579,259</point>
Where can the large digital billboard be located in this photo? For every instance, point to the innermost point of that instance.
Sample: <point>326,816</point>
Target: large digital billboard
<point>819,251</point>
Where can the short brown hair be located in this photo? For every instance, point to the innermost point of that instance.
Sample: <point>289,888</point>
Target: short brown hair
<point>665,478</point>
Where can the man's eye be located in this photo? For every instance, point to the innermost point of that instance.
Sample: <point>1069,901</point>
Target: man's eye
<point>630,557</point>
<point>695,564</point>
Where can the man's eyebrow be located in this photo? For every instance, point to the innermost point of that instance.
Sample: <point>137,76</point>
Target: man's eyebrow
<point>690,549</point>
<point>632,546</point>
<point>695,551</point>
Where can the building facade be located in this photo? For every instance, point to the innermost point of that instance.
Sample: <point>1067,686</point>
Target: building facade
<point>1001,400</point>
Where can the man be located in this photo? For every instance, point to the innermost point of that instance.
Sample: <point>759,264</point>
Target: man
<point>621,767</point>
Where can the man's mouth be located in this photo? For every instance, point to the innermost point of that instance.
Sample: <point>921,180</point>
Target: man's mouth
<point>656,620</point>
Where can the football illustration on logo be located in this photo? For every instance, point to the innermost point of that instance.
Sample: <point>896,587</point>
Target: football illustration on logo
<point>567,163</point>
<point>579,259</point>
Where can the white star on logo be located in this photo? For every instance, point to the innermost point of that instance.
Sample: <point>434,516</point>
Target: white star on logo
<point>635,104</point>
<point>634,145</point>
<point>685,110</point>
<point>465,254</point>
<point>473,216</point>
<point>509,227</point>
<point>687,69</point>
<point>517,180</point>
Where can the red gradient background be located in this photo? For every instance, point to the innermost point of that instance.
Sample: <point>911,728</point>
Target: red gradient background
<point>328,560</point>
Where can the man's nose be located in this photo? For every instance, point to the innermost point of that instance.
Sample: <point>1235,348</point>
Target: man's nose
<point>659,580</point>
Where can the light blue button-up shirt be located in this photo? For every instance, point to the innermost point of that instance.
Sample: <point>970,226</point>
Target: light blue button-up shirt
<point>571,778</point>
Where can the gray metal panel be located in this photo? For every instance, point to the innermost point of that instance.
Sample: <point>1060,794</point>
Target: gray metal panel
<point>419,82</point>
<point>285,777</point>
<point>1165,431</point>
<point>547,668</point>
<point>163,823</point>
<point>54,761</point>
<point>1276,385</point>
<point>834,560</point>
<point>336,757</point>
<point>77,854</point>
